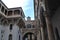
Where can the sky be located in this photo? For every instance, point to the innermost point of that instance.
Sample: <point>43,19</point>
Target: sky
<point>27,6</point>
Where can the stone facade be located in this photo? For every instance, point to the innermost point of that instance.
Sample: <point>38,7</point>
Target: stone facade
<point>13,25</point>
<point>47,12</point>
<point>10,22</point>
<point>46,25</point>
<point>30,28</point>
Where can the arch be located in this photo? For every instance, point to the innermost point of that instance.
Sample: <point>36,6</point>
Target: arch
<point>19,37</point>
<point>10,37</point>
<point>30,36</point>
<point>5,22</point>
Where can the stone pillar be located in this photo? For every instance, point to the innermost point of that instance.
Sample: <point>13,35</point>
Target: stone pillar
<point>39,35</point>
<point>13,12</point>
<point>42,26</point>
<point>49,26</point>
<point>42,32</point>
<point>28,37</point>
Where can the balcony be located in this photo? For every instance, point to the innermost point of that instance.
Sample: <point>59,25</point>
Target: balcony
<point>13,16</point>
<point>16,12</point>
<point>10,13</point>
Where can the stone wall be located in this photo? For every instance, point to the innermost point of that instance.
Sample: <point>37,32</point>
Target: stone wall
<point>56,22</point>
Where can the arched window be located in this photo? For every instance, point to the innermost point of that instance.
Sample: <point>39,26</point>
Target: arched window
<point>11,26</point>
<point>28,25</point>
<point>19,37</point>
<point>10,37</point>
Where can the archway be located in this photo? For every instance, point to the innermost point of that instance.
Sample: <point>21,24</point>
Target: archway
<point>29,36</point>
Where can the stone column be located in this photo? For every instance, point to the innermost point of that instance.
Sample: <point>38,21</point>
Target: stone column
<point>42,32</point>
<point>49,26</point>
<point>12,12</point>
<point>28,37</point>
<point>42,26</point>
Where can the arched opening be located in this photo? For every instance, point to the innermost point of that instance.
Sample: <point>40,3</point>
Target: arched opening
<point>5,22</point>
<point>19,37</point>
<point>10,37</point>
<point>29,36</point>
<point>11,26</point>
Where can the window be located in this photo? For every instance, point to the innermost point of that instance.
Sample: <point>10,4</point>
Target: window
<point>11,26</point>
<point>2,9</point>
<point>10,37</point>
<point>16,12</point>
<point>2,32</point>
<point>5,12</point>
<point>9,13</point>
<point>2,36</point>
<point>28,25</point>
<point>19,37</point>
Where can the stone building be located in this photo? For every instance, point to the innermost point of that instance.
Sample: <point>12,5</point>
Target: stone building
<point>13,25</point>
<point>46,25</point>
<point>47,13</point>
<point>30,32</point>
<point>11,20</point>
